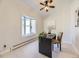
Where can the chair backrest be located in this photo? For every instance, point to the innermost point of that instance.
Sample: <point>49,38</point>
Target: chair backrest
<point>59,37</point>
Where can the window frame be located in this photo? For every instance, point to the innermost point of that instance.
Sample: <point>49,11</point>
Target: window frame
<point>31,34</point>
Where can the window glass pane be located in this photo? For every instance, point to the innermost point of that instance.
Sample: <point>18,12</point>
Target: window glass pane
<point>27,21</point>
<point>22,27</point>
<point>27,26</point>
<point>33,26</point>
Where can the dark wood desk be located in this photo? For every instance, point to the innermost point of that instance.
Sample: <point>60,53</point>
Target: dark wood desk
<point>45,45</point>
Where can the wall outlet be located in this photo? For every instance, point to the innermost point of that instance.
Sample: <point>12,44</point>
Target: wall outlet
<point>5,46</point>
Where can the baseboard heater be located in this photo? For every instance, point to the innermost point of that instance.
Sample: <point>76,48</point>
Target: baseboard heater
<point>22,44</point>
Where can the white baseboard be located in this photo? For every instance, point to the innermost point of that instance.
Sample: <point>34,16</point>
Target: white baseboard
<point>4,51</point>
<point>23,43</point>
<point>66,42</point>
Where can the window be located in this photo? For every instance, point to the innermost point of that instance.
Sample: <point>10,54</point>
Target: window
<point>28,26</point>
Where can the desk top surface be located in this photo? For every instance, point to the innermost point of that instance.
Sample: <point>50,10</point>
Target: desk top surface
<point>50,36</point>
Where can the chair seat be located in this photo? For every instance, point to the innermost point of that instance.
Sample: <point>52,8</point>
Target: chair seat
<point>58,40</point>
<point>55,41</point>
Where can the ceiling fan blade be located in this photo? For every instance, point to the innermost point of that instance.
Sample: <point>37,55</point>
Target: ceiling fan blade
<point>42,8</point>
<point>50,1</point>
<point>52,6</point>
<point>46,2</point>
<point>42,4</point>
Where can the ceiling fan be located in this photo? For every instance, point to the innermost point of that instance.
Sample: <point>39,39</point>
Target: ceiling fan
<point>46,5</point>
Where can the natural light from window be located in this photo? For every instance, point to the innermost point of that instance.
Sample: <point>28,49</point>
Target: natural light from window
<point>28,26</point>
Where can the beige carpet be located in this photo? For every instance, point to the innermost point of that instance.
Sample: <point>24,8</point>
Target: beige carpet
<point>31,51</point>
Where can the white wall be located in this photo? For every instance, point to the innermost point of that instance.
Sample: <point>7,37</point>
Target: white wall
<point>75,30</point>
<point>61,15</point>
<point>10,21</point>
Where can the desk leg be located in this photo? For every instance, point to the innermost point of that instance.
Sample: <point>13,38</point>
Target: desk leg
<point>60,46</point>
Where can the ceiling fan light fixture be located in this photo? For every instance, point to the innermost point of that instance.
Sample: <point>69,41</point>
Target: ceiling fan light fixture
<point>47,5</point>
<point>46,8</point>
